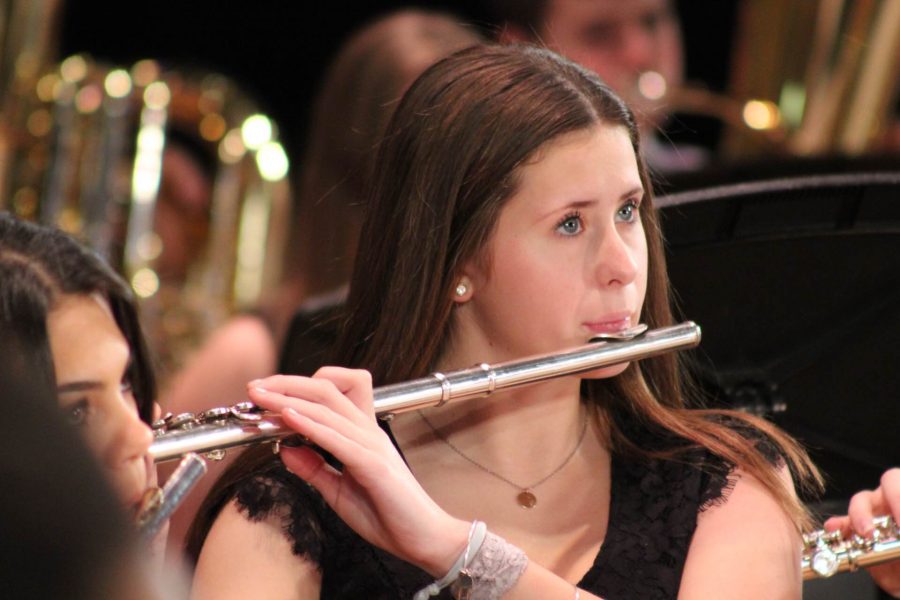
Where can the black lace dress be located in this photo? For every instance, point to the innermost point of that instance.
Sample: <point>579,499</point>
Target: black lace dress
<point>653,514</point>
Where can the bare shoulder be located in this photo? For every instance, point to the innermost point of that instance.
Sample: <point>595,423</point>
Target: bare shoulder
<point>251,559</point>
<point>745,547</point>
<point>239,351</point>
<point>241,336</point>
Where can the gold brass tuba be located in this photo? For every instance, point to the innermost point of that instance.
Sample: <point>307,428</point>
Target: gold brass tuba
<point>174,176</point>
<point>808,78</point>
<point>829,68</point>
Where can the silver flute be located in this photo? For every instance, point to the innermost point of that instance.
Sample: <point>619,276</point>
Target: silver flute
<point>158,504</point>
<point>212,432</point>
<point>827,553</point>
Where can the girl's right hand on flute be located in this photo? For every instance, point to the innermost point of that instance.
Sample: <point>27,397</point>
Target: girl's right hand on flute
<point>375,493</point>
<point>884,500</point>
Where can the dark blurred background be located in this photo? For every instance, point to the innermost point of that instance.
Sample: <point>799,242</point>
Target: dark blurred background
<point>278,50</point>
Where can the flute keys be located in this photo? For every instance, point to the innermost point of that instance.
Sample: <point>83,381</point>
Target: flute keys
<point>183,421</point>
<point>244,411</point>
<point>215,455</point>
<point>215,414</point>
<point>824,562</point>
<point>160,425</point>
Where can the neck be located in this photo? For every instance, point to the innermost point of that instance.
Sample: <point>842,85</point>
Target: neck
<point>523,433</point>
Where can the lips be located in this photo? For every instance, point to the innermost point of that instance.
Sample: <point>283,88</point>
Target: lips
<point>609,323</point>
<point>132,481</point>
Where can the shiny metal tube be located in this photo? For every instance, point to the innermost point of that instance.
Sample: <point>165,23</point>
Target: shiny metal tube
<point>238,426</point>
<point>825,554</point>
<point>164,503</point>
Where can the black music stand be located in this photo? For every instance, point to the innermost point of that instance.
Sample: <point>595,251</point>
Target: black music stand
<point>796,284</point>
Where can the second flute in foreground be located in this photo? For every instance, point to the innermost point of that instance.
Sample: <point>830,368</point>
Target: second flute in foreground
<point>218,429</point>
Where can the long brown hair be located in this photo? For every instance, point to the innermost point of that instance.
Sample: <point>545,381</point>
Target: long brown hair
<point>358,95</point>
<point>361,89</point>
<point>448,164</point>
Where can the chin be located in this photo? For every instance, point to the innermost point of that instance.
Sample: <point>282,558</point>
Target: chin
<point>606,372</point>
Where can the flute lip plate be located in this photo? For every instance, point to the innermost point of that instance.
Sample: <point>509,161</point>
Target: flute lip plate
<point>621,336</point>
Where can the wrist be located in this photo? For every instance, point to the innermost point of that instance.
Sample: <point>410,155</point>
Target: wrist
<point>441,551</point>
<point>488,568</point>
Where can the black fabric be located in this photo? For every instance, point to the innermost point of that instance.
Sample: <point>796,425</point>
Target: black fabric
<point>653,514</point>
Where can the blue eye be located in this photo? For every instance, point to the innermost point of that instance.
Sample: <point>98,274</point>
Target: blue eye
<point>570,225</point>
<point>628,213</point>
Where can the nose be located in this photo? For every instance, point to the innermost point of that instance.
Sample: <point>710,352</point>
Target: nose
<point>132,437</point>
<point>616,261</point>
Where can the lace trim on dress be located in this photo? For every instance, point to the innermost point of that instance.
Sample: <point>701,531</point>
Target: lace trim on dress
<point>300,508</point>
<point>652,518</point>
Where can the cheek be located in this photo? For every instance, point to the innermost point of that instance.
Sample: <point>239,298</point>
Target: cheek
<point>669,62</point>
<point>105,438</point>
<point>531,274</point>
<point>643,267</point>
<point>98,440</point>
<point>643,272</point>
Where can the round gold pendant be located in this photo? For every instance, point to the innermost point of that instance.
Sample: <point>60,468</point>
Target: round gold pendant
<point>526,499</point>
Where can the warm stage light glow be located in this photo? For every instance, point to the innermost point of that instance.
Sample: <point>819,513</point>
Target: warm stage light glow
<point>46,86</point>
<point>256,131</point>
<point>88,99</point>
<point>231,148</point>
<point>144,72</point>
<point>272,161</point>
<point>761,115</point>
<point>73,69</point>
<point>149,246</point>
<point>145,283</point>
<point>157,95</point>
<point>118,83</point>
<point>652,85</point>
<point>212,127</point>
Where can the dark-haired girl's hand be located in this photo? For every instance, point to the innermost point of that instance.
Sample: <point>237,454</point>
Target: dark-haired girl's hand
<point>884,500</point>
<point>375,493</point>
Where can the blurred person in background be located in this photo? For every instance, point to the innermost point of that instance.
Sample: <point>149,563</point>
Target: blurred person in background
<point>635,46</point>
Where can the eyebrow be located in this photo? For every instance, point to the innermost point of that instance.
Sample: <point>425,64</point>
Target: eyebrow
<point>584,203</point>
<point>78,386</point>
<point>634,191</point>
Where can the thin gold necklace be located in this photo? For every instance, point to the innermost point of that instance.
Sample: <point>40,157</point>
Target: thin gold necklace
<point>525,498</point>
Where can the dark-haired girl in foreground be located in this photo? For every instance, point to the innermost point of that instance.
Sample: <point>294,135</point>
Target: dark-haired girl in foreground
<point>79,321</point>
<point>510,215</point>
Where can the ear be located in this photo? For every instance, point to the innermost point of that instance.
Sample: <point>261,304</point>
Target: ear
<point>463,290</point>
<point>513,34</point>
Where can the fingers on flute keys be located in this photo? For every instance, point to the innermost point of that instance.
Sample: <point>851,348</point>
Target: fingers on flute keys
<point>867,504</point>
